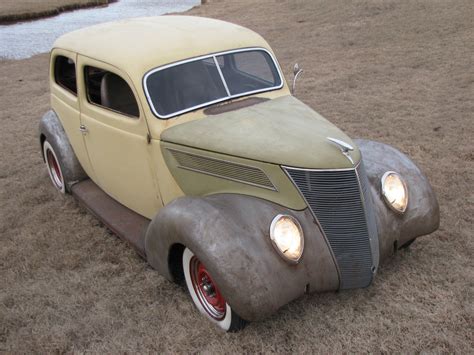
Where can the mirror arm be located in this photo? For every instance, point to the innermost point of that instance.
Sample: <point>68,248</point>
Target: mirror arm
<point>293,87</point>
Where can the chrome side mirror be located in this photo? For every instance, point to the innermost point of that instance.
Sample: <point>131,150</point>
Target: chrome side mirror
<point>296,72</point>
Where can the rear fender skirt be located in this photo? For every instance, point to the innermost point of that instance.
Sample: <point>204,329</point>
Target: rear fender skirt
<point>422,214</point>
<point>229,233</point>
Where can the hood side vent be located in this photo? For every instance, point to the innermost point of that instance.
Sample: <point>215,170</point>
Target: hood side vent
<point>224,169</point>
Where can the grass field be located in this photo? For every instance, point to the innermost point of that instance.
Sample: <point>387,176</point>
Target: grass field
<point>400,72</point>
<point>16,10</point>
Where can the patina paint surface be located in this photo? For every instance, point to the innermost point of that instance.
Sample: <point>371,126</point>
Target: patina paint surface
<point>281,131</point>
<point>195,183</point>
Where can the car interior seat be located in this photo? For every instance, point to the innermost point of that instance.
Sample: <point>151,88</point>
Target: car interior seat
<point>117,95</point>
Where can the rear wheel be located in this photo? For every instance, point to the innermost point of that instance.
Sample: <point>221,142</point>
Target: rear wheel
<point>54,167</point>
<point>207,296</point>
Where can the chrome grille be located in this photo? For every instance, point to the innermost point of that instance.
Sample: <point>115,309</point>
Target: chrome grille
<point>245,174</point>
<point>337,202</point>
<point>369,214</point>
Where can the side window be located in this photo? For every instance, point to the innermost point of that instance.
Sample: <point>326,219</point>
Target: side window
<point>65,73</point>
<point>109,90</point>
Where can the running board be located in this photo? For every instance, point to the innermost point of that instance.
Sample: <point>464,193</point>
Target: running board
<point>122,221</point>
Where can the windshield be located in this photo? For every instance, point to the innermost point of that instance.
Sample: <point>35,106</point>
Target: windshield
<point>186,86</point>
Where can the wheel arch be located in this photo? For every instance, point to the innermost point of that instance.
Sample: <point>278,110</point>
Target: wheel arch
<point>42,138</point>
<point>422,214</point>
<point>230,235</point>
<point>175,265</point>
<point>51,129</point>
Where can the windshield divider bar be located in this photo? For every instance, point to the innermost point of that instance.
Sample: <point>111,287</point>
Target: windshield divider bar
<point>222,75</point>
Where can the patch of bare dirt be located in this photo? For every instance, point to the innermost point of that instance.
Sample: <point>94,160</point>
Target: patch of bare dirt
<point>400,72</point>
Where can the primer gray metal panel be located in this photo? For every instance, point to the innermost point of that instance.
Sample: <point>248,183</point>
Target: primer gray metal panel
<point>336,200</point>
<point>369,214</point>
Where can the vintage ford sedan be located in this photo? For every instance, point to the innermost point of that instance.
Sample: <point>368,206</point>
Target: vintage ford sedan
<point>182,136</point>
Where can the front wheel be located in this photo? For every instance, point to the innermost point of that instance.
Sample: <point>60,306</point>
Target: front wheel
<point>207,296</point>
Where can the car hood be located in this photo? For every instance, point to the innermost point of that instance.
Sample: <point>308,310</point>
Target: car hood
<point>281,131</point>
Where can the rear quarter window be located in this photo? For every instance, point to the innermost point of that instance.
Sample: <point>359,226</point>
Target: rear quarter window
<point>65,73</point>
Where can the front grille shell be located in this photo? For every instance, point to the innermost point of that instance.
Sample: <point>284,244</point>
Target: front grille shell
<point>341,203</point>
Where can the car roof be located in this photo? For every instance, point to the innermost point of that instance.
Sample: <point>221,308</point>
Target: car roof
<point>138,45</point>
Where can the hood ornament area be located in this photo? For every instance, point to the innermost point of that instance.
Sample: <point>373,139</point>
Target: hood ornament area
<point>343,146</point>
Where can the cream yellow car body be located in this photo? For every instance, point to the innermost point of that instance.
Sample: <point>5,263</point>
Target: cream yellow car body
<point>135,174</point>
<point>277,158</point>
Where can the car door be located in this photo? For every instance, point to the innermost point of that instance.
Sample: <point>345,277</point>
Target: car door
<point>65,102</point>
<point>116,134</point>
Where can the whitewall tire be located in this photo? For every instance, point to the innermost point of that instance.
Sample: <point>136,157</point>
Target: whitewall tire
<point>206,295</point>
<point>54,167</point>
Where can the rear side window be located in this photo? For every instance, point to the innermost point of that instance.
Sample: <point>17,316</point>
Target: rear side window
<point>109,90</point>
<point>65,73</point>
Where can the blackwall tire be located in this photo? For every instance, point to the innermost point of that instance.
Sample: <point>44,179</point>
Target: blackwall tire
<point>54,167</point>
<point>206,295</point>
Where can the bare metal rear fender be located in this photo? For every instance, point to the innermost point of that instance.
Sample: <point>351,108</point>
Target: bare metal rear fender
<point>422,214</point>
<point>230,234</point>
<point>51,129</point>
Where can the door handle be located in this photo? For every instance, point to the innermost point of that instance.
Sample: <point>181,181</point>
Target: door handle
<point>83,129</point>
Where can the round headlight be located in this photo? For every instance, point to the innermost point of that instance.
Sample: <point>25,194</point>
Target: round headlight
<point>287,237</point>
<point>394,191</point>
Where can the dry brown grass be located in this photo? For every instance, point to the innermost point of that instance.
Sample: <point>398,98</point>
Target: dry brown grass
<point>398,72</point>
<point>16,10</point>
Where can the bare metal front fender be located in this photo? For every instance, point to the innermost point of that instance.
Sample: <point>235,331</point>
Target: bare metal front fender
<point>230,235</point>
<point>422,214</point>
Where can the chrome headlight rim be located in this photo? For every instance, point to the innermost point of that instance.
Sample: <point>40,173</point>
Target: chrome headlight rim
<point>275,220</point>
<point>385,197</point>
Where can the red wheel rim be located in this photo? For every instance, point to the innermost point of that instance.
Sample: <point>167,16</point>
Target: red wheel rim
<point>206,289</point>
<point>53,166</point>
